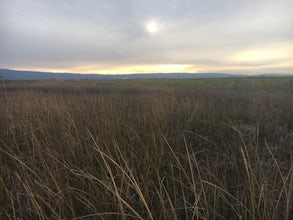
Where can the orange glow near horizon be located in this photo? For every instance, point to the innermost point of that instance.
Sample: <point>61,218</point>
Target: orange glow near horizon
<point>267,53</point>
<point>91,69</point>
<point>275,58</point>
<point>169,68</point>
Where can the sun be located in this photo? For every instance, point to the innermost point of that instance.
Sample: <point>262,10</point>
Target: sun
<point>152,27</point>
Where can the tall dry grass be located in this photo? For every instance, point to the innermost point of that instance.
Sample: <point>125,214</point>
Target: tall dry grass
<point>146,150</point>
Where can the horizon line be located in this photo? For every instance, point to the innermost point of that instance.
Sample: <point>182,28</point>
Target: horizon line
<point>144,73</point>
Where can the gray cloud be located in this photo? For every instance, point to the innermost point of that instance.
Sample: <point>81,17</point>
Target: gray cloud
<point>62,34</point>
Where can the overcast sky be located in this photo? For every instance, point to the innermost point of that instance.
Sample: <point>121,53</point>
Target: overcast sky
<point>130,36</point>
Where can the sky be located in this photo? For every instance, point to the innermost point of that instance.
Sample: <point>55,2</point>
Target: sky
<point>147,36</point>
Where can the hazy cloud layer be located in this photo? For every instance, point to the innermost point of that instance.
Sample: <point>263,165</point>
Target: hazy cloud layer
<point>98,35</point>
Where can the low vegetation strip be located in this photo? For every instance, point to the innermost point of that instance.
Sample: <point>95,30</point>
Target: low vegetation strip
<point>147,149</point>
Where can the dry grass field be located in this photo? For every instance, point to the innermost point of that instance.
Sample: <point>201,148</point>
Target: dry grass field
<point>147,149</point>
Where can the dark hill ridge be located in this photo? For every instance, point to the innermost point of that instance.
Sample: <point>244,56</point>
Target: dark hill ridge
<point>28,75</point>
<point>8,74</point>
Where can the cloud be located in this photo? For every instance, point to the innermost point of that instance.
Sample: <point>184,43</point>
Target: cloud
<point>111,33</point>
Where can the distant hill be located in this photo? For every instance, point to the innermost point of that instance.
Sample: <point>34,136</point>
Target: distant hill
<point>274,75</point>
<point>7,74</point>
<point>32,75</point>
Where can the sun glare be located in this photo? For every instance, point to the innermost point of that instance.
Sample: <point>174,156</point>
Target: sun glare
<point>152,27</point>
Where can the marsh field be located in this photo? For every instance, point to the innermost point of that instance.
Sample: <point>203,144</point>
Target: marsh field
<point>147,149</point>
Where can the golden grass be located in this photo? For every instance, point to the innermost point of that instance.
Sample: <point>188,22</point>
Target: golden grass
<point>146,149</point>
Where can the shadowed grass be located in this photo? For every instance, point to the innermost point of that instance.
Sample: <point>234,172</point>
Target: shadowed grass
<point>147,149</point>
